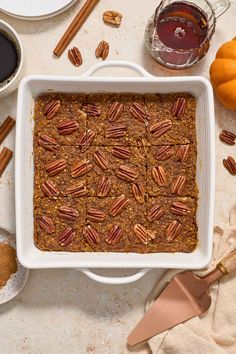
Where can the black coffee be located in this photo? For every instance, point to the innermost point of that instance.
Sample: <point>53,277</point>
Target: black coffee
<point>8,57</point>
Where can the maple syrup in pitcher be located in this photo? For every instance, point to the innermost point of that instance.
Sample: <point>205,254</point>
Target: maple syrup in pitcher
<point>179,34</point>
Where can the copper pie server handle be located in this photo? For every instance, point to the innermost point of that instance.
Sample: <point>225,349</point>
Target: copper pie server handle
<point>228,264</point>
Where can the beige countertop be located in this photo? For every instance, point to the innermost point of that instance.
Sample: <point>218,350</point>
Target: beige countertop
<point>61,311</point>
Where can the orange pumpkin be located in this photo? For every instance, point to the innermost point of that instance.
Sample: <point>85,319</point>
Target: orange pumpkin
<point>223,74</point>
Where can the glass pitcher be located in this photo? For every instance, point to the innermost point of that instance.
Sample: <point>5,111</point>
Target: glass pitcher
<point>179,33</point>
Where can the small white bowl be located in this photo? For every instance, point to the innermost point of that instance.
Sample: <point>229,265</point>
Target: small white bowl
<point>13,84</point>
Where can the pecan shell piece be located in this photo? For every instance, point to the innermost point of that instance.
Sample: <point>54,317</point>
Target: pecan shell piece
<point>52,109</point>
<point>46,224</point>
<point>91,235</point>
<point>48,143</point>
<point>182,153</point>
<point>49,189</point>
<point>80,168</point>
<point>155,213</point>
<point>178,185</point>
<point>180,209</point>
<point>159,176</point>
<point>178,107</point>
<point>102,50</point>
<point>66,237</point>
<point>143,234</point>
<point>230,165</point>
<point>114,235</point>
<point>101,159</point>
<point>75,56</point>
<point>173,230</point>
<point>67,213</point>
<point>138,192</point>
<point>227,137</point>
<point>127,173</point>
<point>103,186</point>
<point>67,127</point>
<point>77,190</point>
<point>160,128</point>
<point>95,215</point>
<point>55,167</point>
<point>115,111</point>
<point>119,205</point>
<point>121,152</point>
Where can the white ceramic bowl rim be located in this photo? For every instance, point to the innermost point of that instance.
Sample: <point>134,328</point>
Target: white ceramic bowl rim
<point>16,37</point>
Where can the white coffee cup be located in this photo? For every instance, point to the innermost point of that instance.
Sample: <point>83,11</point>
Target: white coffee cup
<point>14,81</point>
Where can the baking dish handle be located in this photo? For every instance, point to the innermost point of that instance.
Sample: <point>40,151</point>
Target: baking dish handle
<point>114,280</point>
<point>117,63</point>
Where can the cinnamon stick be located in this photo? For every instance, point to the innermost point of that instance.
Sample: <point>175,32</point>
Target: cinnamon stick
<point>6,127</point>
<point>5,157</point>
<point>74,27</point>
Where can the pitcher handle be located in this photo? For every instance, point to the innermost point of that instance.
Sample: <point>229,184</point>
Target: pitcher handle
<point>220,6</point>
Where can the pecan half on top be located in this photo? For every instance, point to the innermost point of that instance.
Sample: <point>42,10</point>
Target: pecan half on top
<point>119,205</point>
<point>155,213</point>
<point>178,107</point>
<point>143,234</point>
<point>182,153</point>
<point>49,189</point>
<point>91,235</point>
<point>77,190</point>
<point>112,18</point>
<point>103,186</point>
<point>114,235</point>
<point>67,127</point>
<point>160,128</point>
<point>115,111</point>
<point>52,109</point>
<point>86,139</point>
<point>159,175</point>
<point>101,159</point>
<point>46,224</point>
<point>95,215</point>
<point>230,165</point>
<point>102,50</point>
<point>180,209</point>
<point>173,230</point>
<point>75,56</point>
<point>67,213</point>
<point>66,237</point>
<point>143,146</point>
<point>92,109</point>
<point>227,137</point>
<point>127,173</point>
<point>178,185</point>
<point>138,190</point>
<point>139,112</point>
<point>80,168</point>
<point>121,152</point>
<point>48,143</point>
<point>116,131</point>
<point>55,167</point>
<point>164,153</point>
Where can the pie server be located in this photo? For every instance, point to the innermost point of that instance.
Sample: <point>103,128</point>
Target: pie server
<point>186,296</point>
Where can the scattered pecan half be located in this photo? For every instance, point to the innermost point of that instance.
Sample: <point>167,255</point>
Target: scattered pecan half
<point>92,109</point>
<point>102,50</point>
<point>127,173</point>
<point>91,235</point>
<point>227,137</point>
<point>55,167</point>
<point>115,111</point>
<point>48,143</point>
<point>138,191</point>
<point>164,153</point>
<point>159,175</point>
<point>66,237</point>
<point>182,153</point>
<point>143,234</point>
<point>95,215</point>
<point>121,152</point>
<point>112,18</point>
<point>178,185</point>
<point>173,230</point>
<point>86,139</point>
<point>104,186</point>
<point>49,189</point>
<point>68,213</point>
<point>46,224</point>
<point>80,168</point>
<point>67,127</point>
<point>180,209</point>
<point>178,107</point>
<point>75,56</point>
<point>52,109</point>
<point>160,128</point>
<point>230,165</point>
<point>114,235</point>
<point>77,190</point>
<point>101,159</point>
<point>116,131</point>
<point>139,112</point>
<point>155,213</point>
<point>119,205</point>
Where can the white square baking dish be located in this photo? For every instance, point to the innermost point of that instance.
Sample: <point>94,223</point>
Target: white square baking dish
<point>32,86</point>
